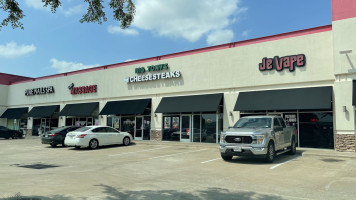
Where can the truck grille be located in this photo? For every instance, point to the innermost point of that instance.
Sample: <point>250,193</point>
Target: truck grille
<point>238,139</point>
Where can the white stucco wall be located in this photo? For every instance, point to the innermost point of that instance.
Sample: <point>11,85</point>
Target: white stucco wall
<point>345,71</point>
<point>208,72</point>
<point>4,89</point>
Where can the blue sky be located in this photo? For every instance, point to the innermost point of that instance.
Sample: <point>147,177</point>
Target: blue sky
<point>56,43</point>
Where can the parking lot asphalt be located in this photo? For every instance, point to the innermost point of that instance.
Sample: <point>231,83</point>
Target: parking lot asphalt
<point>169,170</point>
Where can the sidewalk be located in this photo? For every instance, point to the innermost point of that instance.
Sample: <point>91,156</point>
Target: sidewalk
<point>325,153</point>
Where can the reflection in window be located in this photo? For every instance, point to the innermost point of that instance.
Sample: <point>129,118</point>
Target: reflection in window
<point>171,131</point>
<point>128,124</point>
<point>146,127</point>
<point>209,128</point>
<point>316,130</point>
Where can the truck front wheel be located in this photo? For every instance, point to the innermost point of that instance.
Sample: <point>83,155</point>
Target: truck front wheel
<point>226,157</point>
<point>271,153</point>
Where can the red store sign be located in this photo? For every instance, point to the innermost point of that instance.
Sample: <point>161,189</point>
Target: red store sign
<point>82,89</point>
<point>277,63</point>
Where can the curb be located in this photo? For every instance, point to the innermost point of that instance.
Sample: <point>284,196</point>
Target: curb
<point>326,153</point>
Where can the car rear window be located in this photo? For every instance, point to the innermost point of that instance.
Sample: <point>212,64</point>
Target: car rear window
<point>83,129</point>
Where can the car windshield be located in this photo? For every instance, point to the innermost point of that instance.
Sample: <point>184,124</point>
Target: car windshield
<point>83,129</point>
<point>253,123</point>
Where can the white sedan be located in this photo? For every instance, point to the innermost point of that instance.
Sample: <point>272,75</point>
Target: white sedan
<point>93,136</point>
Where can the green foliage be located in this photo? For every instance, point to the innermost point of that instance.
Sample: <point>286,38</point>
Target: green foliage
<point>15,13</point>
<point>123,11</point>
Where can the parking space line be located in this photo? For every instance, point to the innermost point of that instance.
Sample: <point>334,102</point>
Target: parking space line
<point>275,166</point>
<point>175,154</point>
<point>138,151</point>
<point>210,160</point>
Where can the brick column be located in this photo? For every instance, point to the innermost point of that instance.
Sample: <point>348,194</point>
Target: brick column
<point>345,142</point>
<point>156,135</point>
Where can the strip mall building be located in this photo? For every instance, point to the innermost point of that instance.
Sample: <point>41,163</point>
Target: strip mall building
<point>306,76</point>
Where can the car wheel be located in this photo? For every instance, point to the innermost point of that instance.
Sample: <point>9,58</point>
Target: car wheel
<point>226,157</point>
<point>271,153</point>
<point>53,145</point>
<point>126,141</point>
<point>293,148</point>
<point>93,144</point>
<point>63,145</point>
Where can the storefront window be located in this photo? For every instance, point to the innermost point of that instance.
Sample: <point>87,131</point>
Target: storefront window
<point>171,130</point>
<point>209,128</point>
<point>109,121</point>
<point>220,125</point>
<point>316,130</point>
<point>116,122</point>
<point>196,129</point>
<point>146,127</point>
<point>128,124</point>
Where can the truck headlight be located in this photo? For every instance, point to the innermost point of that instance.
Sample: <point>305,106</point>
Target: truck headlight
<point>259,139</point>
<point>222,138</point>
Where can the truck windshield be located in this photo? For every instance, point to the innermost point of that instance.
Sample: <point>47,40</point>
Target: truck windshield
<point>253,123</point>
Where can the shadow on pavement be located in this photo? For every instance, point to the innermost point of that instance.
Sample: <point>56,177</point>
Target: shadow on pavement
<point>260,161</point>
<point>113,193</point>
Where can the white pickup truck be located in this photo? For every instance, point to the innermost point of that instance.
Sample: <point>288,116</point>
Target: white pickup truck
<point>258,136</point>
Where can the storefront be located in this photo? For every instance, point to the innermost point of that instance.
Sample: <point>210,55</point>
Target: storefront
<point>192,118</point>
<point>307,76</point>
<point>132,116</point>
<point>309,110</point>
<point>16,118</point>
<point>80,114</point>
<point>44,118</point>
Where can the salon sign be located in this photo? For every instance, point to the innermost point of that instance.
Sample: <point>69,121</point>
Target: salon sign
<point>40,90</point>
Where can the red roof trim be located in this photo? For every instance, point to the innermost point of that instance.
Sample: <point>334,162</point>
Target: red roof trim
<point>195,51</point>
<point>8,79</point>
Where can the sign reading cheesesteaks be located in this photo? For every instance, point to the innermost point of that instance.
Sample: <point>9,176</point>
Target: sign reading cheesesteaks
<point>154,76</point>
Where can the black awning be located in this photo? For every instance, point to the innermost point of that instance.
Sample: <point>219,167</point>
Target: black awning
<point>43,111</point>
<point>197,103</point>
<point>354,92</point>
<point>128,107</point>
<point>288,99</point>
<point>79,110</point>
<point>14,113</point>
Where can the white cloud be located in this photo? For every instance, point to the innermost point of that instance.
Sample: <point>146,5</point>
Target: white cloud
<point>39,5</point>
<point>186,19</point>
<point>78,9</point>
<point>245,33</point>
<point>220,37</point>
<point>64,66</point>
<point>119,30</point>
<point>128,60</point>
<point>36,4</point>
<point>12,50</point>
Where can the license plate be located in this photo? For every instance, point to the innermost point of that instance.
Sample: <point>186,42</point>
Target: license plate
<point>237,149</point>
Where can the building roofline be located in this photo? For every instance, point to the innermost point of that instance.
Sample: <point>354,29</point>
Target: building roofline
<point>8,79</point>
<point>191,52</point>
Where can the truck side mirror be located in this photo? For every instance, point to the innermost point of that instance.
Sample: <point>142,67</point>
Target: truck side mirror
<point>278,128</point>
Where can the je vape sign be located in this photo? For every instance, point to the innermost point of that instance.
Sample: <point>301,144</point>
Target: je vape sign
<point>277,63</point>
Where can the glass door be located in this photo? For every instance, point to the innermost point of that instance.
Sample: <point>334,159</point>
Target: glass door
<point>139,128</point>
<point>185,128</point>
